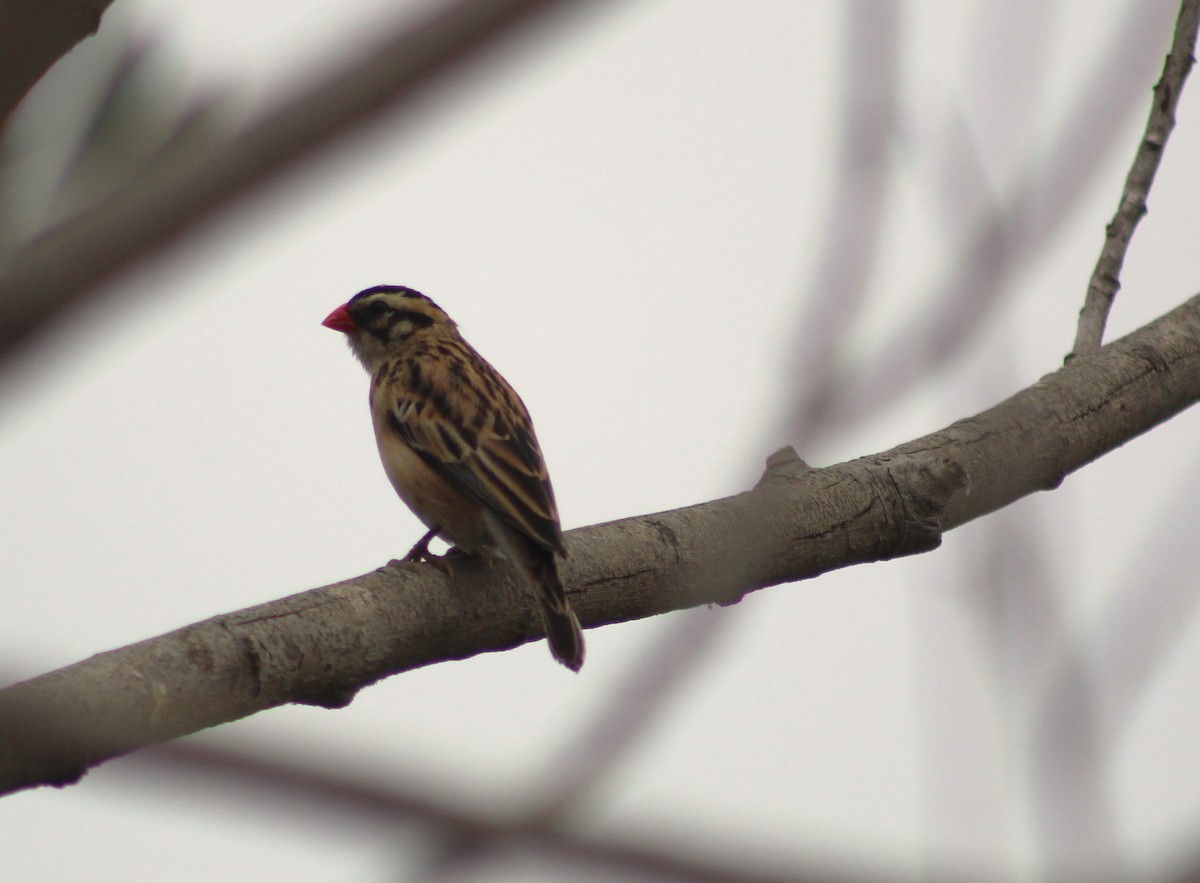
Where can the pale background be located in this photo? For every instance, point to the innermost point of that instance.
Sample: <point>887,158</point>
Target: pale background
<point>624,213</point>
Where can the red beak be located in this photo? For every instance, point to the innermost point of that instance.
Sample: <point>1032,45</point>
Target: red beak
<point>340,320</point>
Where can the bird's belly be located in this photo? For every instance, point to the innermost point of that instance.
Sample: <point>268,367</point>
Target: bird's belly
<point>432,497</point>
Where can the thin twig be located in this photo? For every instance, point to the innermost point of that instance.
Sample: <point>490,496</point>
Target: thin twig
<point>1106,278</point>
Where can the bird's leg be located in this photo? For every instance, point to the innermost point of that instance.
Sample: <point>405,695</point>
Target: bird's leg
<point>420,552</point>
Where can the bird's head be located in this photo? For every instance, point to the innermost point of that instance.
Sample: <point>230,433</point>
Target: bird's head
<point>379,322</point>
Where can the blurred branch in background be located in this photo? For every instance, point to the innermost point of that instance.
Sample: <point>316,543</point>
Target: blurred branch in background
<point>1055,748</point>
<point>852,222</point>
<point>63,265</point>
<point>1009,236</point>
<point>131,123</point>
<point>36,34</point>
<point>1146,619</point>
<point>580,766</point>
<point>289,785</point>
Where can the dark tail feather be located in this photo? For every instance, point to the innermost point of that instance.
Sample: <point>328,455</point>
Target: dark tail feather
<point>562,628</point>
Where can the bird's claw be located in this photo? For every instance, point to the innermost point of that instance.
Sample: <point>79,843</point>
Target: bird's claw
<point>440,562</point>
<point>420,553</point>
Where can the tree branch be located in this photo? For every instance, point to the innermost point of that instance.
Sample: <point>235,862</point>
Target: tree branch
<point>36,34</point>
<point>61,267</point>
<point>1106,278</point>
<point>290,785</point>
<point>322,646</point>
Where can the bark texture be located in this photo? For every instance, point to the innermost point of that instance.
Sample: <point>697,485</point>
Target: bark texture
<point>320,647</point>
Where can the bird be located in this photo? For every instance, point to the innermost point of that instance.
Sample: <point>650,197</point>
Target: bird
<point>458,446</point>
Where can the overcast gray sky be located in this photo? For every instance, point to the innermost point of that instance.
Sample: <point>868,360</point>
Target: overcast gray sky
<point>624,219</point>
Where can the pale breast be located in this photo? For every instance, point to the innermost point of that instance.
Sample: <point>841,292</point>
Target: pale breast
<point>431,496</point>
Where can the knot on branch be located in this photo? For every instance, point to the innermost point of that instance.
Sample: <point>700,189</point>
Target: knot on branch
<point>923,489</point>
<point>784,463</point>
<point>328,696</point>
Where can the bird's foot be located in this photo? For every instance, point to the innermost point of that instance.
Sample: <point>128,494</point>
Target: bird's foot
<point>420,553</point>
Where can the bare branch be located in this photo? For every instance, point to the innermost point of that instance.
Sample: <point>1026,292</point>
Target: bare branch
<point>60,268</point>
<point>384,805</point>
<point>1106,278</point>
<point>322,646</point>
<point>36,34</point>
<point>574,772</point>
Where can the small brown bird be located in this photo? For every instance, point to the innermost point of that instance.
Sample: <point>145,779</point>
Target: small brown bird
<point>458,446</point>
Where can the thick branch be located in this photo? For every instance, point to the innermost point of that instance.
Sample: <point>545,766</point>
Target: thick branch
<point>34,34</point>
<point>322,646</point>
<point>1106,278</point>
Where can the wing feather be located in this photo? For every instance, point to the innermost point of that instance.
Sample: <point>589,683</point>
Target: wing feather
<point>466,422</point>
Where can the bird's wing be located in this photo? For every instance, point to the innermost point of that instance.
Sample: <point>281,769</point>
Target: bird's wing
<point>466,422</point>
